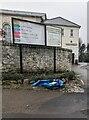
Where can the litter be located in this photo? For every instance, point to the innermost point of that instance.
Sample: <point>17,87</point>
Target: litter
<point>50,83</point>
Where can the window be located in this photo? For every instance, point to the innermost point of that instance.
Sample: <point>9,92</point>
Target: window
<point>62,32</point>
<point>7,29</point>
<point>71,32</point>
<point>71,41</point>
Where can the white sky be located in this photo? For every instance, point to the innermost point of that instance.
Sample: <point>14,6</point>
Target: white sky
<point>73,11</point>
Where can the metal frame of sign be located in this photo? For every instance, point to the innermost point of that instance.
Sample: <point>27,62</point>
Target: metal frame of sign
<point>48,25</point>
<point>29,38</point>
<point>45,45</point>
<point>20,45</point>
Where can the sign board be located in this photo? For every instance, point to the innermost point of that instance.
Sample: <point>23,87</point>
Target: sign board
<point>27,32</point>
<point>53,36</point>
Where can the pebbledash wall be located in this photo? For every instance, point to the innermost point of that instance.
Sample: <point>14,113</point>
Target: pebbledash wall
<point>35,58</point>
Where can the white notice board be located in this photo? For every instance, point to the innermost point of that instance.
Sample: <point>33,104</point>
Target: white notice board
<point>27,32</point>
<point>53,36</point>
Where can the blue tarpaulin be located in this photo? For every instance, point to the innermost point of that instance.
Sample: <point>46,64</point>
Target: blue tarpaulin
<point>50,84</point>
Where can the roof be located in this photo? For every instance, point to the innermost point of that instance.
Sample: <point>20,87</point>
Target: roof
<point>61,22</point>
<point>23,13</point>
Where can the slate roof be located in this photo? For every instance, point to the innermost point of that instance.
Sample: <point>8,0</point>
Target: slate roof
<point>61,22</point>
<point>23,13</point>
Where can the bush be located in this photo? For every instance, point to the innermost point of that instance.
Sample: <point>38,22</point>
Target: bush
<point>70,75</point>
<point>12,76</point>
<point>86,59</point>
<point>63,75</point>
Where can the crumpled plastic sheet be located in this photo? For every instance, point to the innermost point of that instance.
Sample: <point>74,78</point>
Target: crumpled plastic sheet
<point>50,83</point>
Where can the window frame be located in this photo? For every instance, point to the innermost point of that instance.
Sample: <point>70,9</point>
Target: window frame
<point>71,32</point>
<point>62,31</point>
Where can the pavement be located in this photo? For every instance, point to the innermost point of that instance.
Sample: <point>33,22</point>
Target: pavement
<point>82,70</point>
<point>47,104</point>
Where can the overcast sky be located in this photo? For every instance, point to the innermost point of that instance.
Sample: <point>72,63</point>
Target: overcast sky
<point>73,11</point>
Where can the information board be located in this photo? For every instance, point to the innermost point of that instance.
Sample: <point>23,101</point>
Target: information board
<point>27,32</point>
<point>53,35</point>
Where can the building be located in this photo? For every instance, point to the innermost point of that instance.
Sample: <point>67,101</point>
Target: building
<point>70,30</point>
<point>70,34</point>
<point>34,58</point>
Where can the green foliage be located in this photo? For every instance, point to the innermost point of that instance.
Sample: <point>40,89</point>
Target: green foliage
<point>63,75</point>
<point>32,77</point>
<point>86,57</point>
<point>12,76</point>
<point>88,47</point>
<point>82,48</point>
<point>35,77</point>
<point>82,57</point>
<point>87,60</point>
<point>70,75</point>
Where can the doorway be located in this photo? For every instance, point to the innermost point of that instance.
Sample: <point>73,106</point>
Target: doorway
<point>73,58</point>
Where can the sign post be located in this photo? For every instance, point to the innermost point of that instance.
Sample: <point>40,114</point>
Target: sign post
<point>54,39</point>
<point>21,64</point>
<point>32,33</point>
<point>27,32</point>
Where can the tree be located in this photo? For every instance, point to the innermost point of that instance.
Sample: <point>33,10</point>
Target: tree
<point>82,48</point>
<point>87,54</point>
<point>88,47</point>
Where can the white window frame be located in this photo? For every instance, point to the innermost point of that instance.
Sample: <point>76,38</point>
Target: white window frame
<point>71,32</point>
<point>62,31</point>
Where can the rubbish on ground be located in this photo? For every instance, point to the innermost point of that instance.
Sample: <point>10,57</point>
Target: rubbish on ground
<point>27,105</point>
<point>50,84</point>
<point>82,82</point>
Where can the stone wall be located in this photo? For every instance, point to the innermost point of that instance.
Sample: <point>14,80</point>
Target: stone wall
<point>35,58</point>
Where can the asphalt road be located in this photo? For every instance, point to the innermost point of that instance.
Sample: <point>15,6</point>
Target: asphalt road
<point>67,106</point>
<point>49,104</point>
